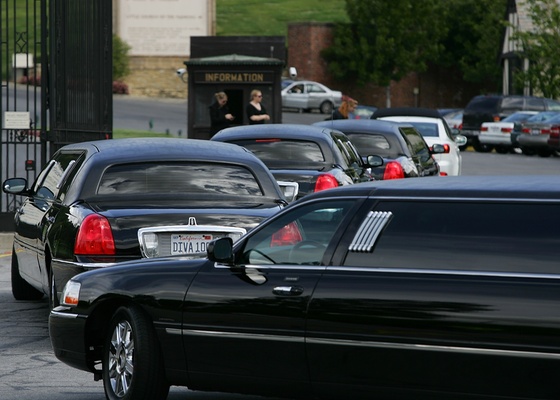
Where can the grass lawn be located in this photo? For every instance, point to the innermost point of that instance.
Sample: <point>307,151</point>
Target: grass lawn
<point>125,133</point>
<point>271,17</point>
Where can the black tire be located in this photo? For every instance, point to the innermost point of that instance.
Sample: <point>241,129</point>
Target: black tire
<point>131,354</point>
<point>544,152</point>
<point>21,289</point>
<point>502,149</point>
<point>482,148</point>
<point>528,151</point>
<point>326,107</point>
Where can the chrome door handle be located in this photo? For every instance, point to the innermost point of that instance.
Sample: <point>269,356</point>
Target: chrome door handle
<point>287,290</point>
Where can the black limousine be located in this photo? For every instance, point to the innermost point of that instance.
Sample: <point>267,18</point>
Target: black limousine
<point>425,288</point>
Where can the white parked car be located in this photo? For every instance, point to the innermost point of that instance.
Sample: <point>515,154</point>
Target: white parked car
<point>308,95</point>
<point>498,134</point>
<point>435,130</point>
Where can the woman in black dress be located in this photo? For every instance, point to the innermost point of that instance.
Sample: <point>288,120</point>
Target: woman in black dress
<point>256,113</point>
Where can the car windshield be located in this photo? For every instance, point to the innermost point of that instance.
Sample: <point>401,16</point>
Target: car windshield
<point>519,116</point>
<point>163,178</point>
<point>427,129</point>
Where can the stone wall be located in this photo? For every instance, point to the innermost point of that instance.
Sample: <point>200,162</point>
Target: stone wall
<point>156,77</point>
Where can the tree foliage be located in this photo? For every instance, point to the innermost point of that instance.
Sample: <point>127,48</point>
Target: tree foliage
<point>388,39</point>
<point>540,46</point>
<point>385,40</point>
<point>121,67</point>
<point>474,40</point>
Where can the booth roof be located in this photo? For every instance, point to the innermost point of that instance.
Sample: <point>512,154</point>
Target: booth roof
<point>234,59</point>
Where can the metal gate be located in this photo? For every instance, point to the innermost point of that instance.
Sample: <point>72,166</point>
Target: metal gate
<point>56,69</point>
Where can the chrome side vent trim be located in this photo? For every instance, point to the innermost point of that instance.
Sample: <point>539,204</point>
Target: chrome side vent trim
<point>369,231</point>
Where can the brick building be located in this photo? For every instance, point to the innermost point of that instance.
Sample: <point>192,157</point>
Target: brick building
<point>435,88</point>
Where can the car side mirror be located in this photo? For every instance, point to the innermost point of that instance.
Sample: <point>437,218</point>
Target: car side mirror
<point>461,140</point>
<point>15,186</point>
<point>437,149</point>
<point>374,161</point>
<point>221,250</point>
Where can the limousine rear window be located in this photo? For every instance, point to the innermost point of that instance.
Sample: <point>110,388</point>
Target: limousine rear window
<point>369,231</point>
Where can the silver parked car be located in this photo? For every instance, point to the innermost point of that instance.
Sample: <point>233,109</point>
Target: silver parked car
<point>308,95</point>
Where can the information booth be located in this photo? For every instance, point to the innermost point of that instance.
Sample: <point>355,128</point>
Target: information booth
<point>237,76</point>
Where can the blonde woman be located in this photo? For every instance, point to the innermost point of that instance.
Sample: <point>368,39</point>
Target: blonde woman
<point>220,117</point>
<point>256,113</point>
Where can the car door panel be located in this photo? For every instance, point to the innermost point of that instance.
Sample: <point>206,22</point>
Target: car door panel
<point>405,316</point>
<point>248,322</point>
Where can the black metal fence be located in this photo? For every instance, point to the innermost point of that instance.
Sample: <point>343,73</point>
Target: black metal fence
<point>56,70</point>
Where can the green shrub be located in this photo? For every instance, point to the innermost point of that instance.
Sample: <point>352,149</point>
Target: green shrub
<point>120,58</point>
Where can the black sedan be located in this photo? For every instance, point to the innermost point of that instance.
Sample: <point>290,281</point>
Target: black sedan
<point>315,158</point>
<point>404,150</point>
<point>400,289</point>
<point>99,203</point>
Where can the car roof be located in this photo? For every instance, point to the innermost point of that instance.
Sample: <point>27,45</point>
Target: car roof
<point>537,187</point>
<point>280,131</point>
<point>363,125</point>
<point>162,149</point>
<point>406,111</point>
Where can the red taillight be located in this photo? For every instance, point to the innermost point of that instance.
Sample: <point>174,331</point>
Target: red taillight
<point>95,237</point>
<point>526,130</point>
<point>555,131</point>
<point>483,129</point>
<point>507,130</point>
<point>393,170</point>
<point>286,236</point>
<point>441,173</point>
<point>325,181</point>
<point>446,148</point>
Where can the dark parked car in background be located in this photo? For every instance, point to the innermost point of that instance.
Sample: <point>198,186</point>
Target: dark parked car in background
<point>316,158</point>
<point>401,289</point>
<point>404,150</point>
<point>99,203</point>
<point>494,108</point>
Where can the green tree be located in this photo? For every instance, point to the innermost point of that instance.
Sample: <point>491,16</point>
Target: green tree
<point>386,40</point>
<point>121,67</point>
<point>474,39</point>
<point>540,46</point>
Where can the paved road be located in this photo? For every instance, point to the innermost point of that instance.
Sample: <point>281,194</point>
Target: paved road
<point>30,371</point>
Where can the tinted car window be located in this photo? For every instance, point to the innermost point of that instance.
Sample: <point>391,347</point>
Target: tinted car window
<point>513,103</point>
<point>179,178</point>
<point>300,237</point>
<point>373,144</point>
<point>477,237</point>
<point>416,143</point>
<point>534,104</point>
<point>552,105</point>
<point>288,150</point>
<point>49,183</point>
<point>483,104</point>
<point>351,156</point>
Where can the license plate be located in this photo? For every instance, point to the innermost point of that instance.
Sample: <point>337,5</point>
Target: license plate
<point>535,132</point>
<point>189,243</point>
